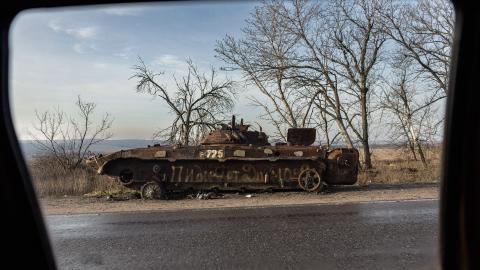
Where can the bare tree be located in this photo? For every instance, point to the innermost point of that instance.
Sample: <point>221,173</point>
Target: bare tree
<point>413,110</point>
<point>320,63</point>
<point>424,32</point>
<point>343,44</point>
<point>324,121</point>
<point>263,58</point>
<point>357,42</point>
<point>199,102</point>
<point>312,68</point>
<point>68,139</point>
<point>296,53</point>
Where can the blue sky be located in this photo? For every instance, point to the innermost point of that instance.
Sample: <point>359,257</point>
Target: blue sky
<point>58,54</point>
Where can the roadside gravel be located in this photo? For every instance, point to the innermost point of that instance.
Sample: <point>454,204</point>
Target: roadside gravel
<point>336,195</point>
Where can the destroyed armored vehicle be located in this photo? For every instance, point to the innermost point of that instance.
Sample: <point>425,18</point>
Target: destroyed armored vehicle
<point>232,158</point>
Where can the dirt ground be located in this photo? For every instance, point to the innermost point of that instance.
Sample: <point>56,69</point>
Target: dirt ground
<point>336,195</point>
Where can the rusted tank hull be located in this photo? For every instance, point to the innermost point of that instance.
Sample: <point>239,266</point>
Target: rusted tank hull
<point>232,157</point>
<point>338,167</point>
<point>342,166</point>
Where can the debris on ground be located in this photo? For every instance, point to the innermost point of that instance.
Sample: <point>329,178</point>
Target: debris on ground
<point>206,195</point>
<point>122,197</point>
<point>249,195</point>
<point>114,195</point>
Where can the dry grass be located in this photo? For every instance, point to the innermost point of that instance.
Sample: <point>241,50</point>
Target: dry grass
<point>397,165</point>
<point>52,181</point>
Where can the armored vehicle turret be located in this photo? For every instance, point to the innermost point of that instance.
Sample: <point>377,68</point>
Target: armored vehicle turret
<point>232,157</point>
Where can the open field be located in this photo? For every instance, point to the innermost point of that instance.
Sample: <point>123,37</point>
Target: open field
<point>396,165</point>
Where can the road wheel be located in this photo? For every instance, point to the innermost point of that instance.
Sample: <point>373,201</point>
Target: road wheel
<point>152,191</point>
<point>310,180</point>
<point>126,177</point>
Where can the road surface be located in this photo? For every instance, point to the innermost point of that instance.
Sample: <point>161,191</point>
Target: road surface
<point>380,235</point>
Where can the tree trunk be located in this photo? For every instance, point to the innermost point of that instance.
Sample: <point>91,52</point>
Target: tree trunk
<point>405,128</point>
<point>417,144</point>
<point>325,129</point>
<point>339,120</point>
<point>327,137</point>
<point>186,135</point>
<point>367,154</point>
<point>366,145</point>
<point>422,155</point>
<point>343,131</point>
<point>412,149</point>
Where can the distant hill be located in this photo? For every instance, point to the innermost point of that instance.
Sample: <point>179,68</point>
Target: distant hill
<point>107,146</point>
<point>110,146</point>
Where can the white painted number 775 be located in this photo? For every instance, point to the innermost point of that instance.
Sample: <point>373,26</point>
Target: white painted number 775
<point>212,153</point>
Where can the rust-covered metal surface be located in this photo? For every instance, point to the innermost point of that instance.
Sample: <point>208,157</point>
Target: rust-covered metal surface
<point>301,136</point>
<point>233,157</point>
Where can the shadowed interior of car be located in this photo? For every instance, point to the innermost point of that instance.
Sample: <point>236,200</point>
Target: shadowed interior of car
<point>26,242</point>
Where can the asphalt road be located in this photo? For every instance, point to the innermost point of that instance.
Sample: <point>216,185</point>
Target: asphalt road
<point>381,235</point>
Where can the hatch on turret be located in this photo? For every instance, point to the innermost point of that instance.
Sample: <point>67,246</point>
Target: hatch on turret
<point>301,136</point>
<point>236,134</point>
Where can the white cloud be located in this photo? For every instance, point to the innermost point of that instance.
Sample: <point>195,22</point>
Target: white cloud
<point>168,60</point>
<point>123,11</point>
<point>55,25</point>
<point>82,32</point>
<point>83,35</point>
<point>77,32</point>
<point>170,63</point>
<point>84,47</point>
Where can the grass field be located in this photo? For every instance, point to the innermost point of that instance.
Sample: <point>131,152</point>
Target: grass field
<point>396,165</point>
